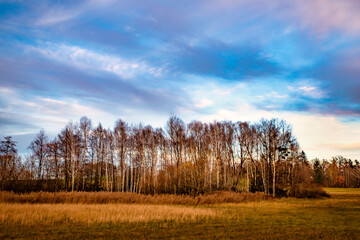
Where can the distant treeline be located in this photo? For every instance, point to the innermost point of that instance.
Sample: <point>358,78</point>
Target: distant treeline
<point>182,159</point>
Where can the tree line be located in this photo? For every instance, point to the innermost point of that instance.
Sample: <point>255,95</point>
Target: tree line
<point>183,158</point>
<point>337,172</point>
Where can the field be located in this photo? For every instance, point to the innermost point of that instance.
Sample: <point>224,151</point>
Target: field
<point>337,217</point>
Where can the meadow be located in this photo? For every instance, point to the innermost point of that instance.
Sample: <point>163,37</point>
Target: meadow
<point>337,217</point>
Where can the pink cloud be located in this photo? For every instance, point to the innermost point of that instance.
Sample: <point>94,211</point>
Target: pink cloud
<point>322,16</point>
<point>318,16</point>
<point>343,146</point>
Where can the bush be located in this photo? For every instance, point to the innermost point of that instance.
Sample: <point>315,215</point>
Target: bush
<point>27,186</point>
<point>309,191</point>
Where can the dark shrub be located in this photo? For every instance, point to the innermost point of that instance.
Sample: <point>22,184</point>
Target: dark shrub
<point>310,191</point>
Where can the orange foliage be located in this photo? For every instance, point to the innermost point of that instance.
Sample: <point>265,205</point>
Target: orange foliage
<point>340,181</point>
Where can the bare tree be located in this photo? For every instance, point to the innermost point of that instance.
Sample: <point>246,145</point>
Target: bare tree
<point>38,148</point>
<point>121,137</point>
<point>8,158</point>
<point>85,127</point>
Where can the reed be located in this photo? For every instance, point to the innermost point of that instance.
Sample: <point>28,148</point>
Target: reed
<point>130,198</point>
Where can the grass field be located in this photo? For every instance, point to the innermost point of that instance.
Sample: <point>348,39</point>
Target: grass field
<point>337,217</point>
<point>343,191</point>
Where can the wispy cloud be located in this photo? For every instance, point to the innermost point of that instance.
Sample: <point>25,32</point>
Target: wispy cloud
<point>205,102</point>
<point>94,61</point>
<point>343,146</point>
<point>318,16</point>
<point>63,12</point>
<point>57,15</point>
<point>307,88</point>
<point>323,16</point>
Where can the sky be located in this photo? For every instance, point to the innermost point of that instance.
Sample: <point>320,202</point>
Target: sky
<point>206,60</point>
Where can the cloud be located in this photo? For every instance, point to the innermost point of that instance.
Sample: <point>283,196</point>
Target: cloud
<point>307,88</point>
<point>52,14</point>
<point>343,146</point>
<point>339,75</point>
<point>14,123</point>
<point>320,17</point>
<point>323,16</point>
<point>217,59</point>
<point>29,116</point>
<point>203,103</point>
<point>57,15</point>
<point>204,59</point>
<point>97,82</point>
<point>93,61</point>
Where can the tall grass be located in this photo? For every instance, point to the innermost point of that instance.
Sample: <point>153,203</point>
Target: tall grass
<point>128,198</point>
<point>281,218</point>
<point>50,214</point>
<point>343,191</point>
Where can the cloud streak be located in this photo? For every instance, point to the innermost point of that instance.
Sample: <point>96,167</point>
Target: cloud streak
<point>88,60</point>
<point>342,146</point>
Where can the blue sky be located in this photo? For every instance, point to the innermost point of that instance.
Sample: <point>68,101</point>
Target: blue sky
<point>206,60</point>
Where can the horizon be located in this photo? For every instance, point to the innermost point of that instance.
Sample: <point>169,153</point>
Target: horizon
<point>206,61</point>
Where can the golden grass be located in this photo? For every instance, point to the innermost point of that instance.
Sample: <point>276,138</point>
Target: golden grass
<point>130,198</point>
<point>343,191</point>
<point>284,218</point>
<point>50,214</point>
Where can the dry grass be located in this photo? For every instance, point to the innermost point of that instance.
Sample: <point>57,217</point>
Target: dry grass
<point>50,214</point>
<point>285,218</point>
<point>130,198</point>
<point>343,191</point>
